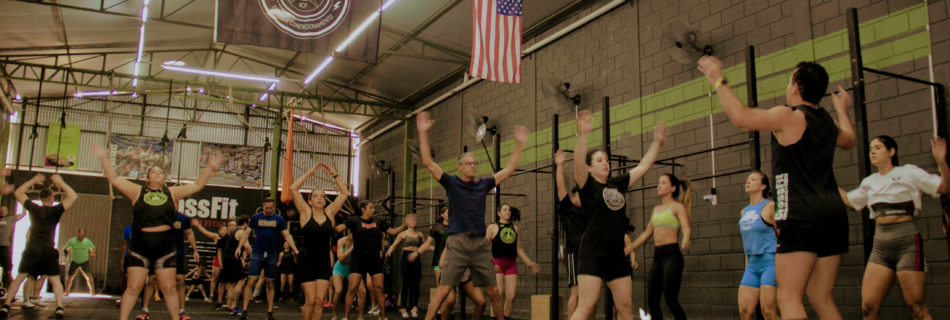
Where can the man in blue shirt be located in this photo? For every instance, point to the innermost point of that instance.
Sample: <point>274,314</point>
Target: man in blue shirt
<point>266,226</point>
<point>467,247</point>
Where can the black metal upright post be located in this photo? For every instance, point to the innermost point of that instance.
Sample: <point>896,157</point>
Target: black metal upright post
<point>497,165</point>
<point>861,120</point>
<point>367,193</point>
<point>392,218</point>
<point>412,204</point>
<point>609,297</point>
<point>755,162</point>
<point>555,274</point>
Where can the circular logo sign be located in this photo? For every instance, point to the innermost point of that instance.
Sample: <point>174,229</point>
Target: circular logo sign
<point>508,235</point>
<point>614,199</point>
<point>306,19</point>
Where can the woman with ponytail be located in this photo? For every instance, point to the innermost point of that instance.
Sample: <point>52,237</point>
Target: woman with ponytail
<point>757,226</point>
<point>669,219</point>
<point>893,196</point>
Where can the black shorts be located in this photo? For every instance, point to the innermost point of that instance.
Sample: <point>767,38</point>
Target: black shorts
<point>181,267</point>
<point>196,282</point>
<point>571,262</point>
<point>40,262</point>
<point>362,264</point>
<point>292,269</point>
<point>310,268</point>
<point>74,267</point>
<point>824,242</point>
<point>231,270</point>
<point>605,268</point>
<point>152,250</point>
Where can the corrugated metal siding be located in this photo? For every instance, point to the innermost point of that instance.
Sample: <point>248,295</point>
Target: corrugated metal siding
<point>94,214</point>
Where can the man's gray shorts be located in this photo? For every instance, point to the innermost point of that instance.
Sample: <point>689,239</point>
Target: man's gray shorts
<point>464,251</point>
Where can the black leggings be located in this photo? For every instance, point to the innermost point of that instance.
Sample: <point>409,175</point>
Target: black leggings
<point>665,277</point>
<point>411,276</point>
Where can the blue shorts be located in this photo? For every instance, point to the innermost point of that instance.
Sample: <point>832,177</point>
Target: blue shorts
<point>341,270</point>
<point>268,264</point>
<point>760,271</point>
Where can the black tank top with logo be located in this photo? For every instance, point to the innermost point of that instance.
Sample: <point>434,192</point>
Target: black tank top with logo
<point>153,208</point>
<point>315,246</point>
<point>605,207</point>
<point>232,244</point>
<point>806,193</point>
<point>505,243</point>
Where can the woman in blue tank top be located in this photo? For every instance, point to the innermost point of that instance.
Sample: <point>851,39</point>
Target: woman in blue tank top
<point>758,240</point>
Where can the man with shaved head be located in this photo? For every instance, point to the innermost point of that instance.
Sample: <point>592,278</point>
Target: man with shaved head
<point>467,247</point>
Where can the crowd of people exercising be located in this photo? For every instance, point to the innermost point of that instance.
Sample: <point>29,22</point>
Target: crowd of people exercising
<point>794,229</point>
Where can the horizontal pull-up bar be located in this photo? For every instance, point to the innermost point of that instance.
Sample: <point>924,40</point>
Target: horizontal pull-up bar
<point>902,77</point>
<point>674,164</point>
<point>510,194</point>
<point>699,179</point>
<point>419,198</point>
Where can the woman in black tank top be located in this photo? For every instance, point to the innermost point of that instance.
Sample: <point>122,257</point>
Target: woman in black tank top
<point>410,267</point>
<point>315,265</point>
<point>505,248</point>
<point>810,213</point>
<point>153,213</point>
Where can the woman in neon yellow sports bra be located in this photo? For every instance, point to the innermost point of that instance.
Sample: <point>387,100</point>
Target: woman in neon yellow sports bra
<point>669,218</point>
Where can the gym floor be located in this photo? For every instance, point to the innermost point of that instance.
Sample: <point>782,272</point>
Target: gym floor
<point>105,308</point>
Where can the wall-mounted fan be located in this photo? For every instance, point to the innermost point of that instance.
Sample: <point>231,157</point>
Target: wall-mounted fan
<point>683,42</point>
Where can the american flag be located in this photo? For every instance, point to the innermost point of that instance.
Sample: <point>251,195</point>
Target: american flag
<point>496,40</point>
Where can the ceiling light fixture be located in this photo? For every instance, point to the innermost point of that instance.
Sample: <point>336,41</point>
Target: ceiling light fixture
<point>272,86</point>
<point>349,39</point>
<point>319,69</point>
<point>221,74</point>
<point>264,97</point>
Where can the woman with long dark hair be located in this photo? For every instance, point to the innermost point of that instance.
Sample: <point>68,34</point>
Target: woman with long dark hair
<point>757,226</point>
<point>670,219</point>
<point>505,248</point>
<point>601,253</point>
<point>152,247</point>
<point>316,225</point>
<point>893,196</point>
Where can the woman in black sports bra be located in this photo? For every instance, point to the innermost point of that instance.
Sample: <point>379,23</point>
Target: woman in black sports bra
<point>316,219</point>
<point>152,246</point>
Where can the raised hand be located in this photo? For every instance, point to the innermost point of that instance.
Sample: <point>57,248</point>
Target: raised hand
<point>711,67</point>
<point>938,146</point>
<point>99,151</point>
<point>216,161</point>
<point>423,123</point>
<point>328,169</point>
<point>57,179</point>
<point>521,134</point>
<point>584,122</point>
<point>559,157</point>
<point>659,132</point>
<point>316,168</point>
<point>841,100</point>
<point>6,189</point>
<point>38,178</point>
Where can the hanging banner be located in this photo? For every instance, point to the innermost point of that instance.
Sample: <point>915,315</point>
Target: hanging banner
<point>243,166</point>
<point>133,155</point>
<point>62,146</point>
<point>313,26</point>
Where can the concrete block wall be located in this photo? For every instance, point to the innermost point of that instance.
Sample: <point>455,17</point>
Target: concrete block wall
<point>620,56</point>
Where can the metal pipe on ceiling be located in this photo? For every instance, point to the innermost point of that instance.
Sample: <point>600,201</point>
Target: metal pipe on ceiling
<point>537,46</point>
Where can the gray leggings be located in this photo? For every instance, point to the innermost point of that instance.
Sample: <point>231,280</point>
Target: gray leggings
<point>898,246</point>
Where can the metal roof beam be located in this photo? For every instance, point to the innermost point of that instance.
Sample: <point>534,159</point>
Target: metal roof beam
<point>105,11</point>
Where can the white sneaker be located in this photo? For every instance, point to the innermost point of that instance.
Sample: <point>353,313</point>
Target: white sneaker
<point>187,299</point>
<point>28,304</point>
<point>208,300</point>
<point>374,311</point>
<point>38,302</point>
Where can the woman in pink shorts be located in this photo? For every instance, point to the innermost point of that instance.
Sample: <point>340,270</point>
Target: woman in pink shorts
<point>505,248</point>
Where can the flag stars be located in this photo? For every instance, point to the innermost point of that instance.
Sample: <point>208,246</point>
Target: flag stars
<point>509,7</point>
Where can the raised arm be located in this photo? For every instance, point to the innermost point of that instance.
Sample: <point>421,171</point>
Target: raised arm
<point>71,195</point>
<point>20,193</point>
<point>847,139</point>
<point>423,124</point>
<point>126,187</point>
<point>5,188</point>
<point>584,126</point>
<point>659,136</point>
<point>302,206</point>
<point>559,159</point>
<point>535,268</point>
<point>179,192</point>
<point>774,119</point>
<point>344,192</point>
<point>521,136</point>
<point>938,146</point>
